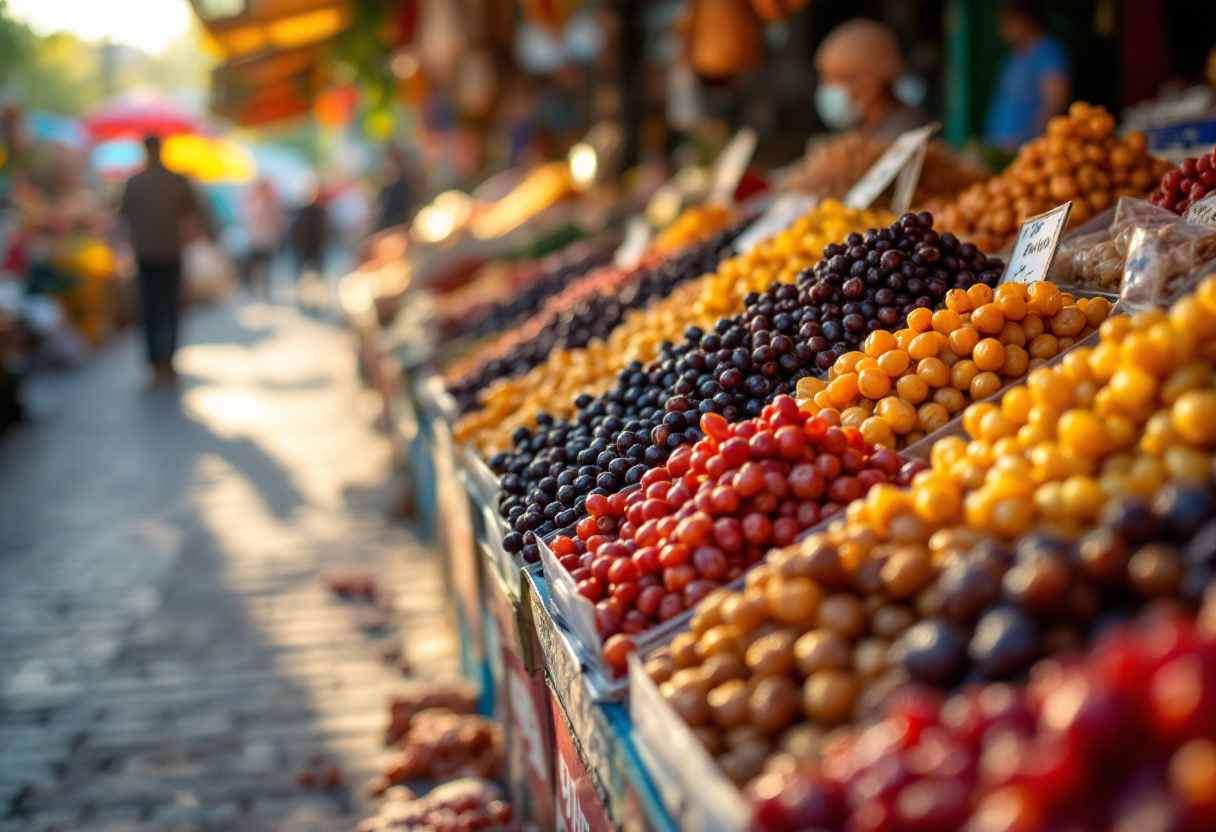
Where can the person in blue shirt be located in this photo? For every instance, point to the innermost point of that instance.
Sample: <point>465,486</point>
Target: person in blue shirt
<point>1035,80</point>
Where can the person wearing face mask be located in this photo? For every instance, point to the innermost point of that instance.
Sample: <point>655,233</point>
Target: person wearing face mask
<point>858,64</point>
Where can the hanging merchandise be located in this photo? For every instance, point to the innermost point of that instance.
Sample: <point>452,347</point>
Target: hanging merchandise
<point>725,38</point>
<point>537,49</point>
<point>583,38</point>
<point>441,39</point>
<point>401,25</point>
<point>475,85</point>
<point>773,10</point>
<point>551,13</point>
<point>335,106</point>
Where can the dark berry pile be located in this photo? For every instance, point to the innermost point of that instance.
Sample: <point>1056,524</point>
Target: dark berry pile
<point>595,316</point>
<point>783,335</point>
<point>873,281</point>
<point>616,437</point>
<point>559,270</point>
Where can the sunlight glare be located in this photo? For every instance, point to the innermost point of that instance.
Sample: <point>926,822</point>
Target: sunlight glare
<point>150,25</point>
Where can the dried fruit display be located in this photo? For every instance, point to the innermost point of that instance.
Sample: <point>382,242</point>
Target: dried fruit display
<point>1169,252</point>
<point>553,274</point>
<point>456,697</point>
<point>695,223</point>
<point>442,745</point>
<point>588,310</point>
<point>1083,497</point>
<point>864,284</point>
<point>710,512</point>
<point>1190,182</point>
<point>459,806</point>
<point>833,167</point>
<point>550,390</point>
<point>1122,739</point>
<point>1079,159</point>
<point>901,386</point>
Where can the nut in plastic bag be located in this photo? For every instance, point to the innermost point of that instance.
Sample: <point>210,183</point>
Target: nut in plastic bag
<point>1169,249</point>
<point>1203,212</point>
<point>1164,262</point>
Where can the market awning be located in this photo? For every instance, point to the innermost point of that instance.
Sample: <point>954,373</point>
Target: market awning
<point>246,27</point>
<point>269,86</point>
<point>276,51</point>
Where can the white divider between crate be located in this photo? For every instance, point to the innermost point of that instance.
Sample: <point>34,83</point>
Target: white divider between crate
<point>436,392</point>
<point>486,482</point>
<point>690,783</point>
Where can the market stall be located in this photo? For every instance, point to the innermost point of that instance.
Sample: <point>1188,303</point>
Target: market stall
<point>822,517</point>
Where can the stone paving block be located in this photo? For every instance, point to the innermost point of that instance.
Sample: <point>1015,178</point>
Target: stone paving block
<point>169,654</point>
<point>127,812</point>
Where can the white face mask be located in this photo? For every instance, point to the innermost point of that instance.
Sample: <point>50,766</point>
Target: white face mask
<point>835,108</point>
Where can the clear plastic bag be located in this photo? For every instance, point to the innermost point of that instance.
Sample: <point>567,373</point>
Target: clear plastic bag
<point>1090,261</point>
<point>1165,262</point>
<point>1168,249</point>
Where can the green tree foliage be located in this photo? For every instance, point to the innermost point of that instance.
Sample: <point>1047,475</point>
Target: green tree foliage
<point>16,45</point>
<point>64,74</point>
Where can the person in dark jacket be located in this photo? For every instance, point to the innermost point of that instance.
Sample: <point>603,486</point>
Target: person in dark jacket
<point>308,234</point>
<point>396,201</point>
<point>157,204</point>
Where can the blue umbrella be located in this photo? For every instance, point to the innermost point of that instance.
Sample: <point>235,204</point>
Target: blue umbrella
<point>52,128</point>
<point>118,158</point>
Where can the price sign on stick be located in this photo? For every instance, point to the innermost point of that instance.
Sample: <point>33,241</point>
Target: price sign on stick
<point>905,184</point>
<point>1036,246</point>
<point>730,166</point>
<point>784,211</point>
<point>637,237</point>
<point>1202,212</point>
<point>909,147</point>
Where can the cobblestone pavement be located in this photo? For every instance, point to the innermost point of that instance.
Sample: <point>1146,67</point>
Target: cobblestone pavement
<point>170,657</point>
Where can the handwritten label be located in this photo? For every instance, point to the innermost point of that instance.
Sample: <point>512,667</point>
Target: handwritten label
<point>908,147</point>
<point>637,237</point>
<point>784,212</point>
<point>1036,246</point>
<point>730,166</point>
<point>1203,212</point>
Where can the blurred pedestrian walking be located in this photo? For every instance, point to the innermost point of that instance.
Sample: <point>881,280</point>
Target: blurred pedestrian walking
<point>396,201</point>
<point>308,235</point>
<point>264,225</point>
<point>159,206</point>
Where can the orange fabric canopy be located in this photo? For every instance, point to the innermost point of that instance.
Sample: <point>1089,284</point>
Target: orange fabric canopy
<point>244,27</point>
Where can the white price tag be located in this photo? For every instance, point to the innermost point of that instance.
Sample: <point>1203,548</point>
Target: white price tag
<point>1036,246</point>
<point>907,148</point>
<point>631,249</point>
<point>784,212</point>
<point>730,166</point>
<point>1203,212</point>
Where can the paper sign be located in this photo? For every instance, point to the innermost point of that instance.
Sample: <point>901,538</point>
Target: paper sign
<point>784,212</point>
<point>730,166</point>
<point>1203,212</point>
<point>637,237</point>
<point>903,150</point>
<point>1036,246</point>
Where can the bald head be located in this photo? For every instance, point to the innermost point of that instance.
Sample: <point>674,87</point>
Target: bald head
<point>859,50</point>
